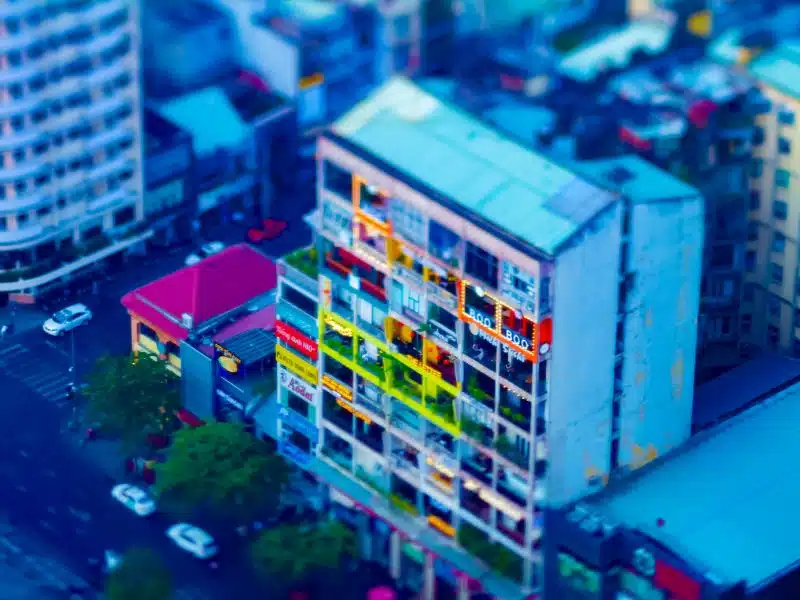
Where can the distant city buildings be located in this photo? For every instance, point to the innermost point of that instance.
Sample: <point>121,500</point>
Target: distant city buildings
<point>71,184</point>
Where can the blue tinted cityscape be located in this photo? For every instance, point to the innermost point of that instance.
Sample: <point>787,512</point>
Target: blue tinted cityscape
<point>399,299</point>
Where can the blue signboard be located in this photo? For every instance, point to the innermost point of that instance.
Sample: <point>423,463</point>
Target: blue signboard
<point>293,453</point>
<point>299,424</point>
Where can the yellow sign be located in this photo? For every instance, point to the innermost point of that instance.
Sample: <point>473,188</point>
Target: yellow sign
<point>700,23</point>
<point>296,365</point>
<point>228,363</point>
<point>441,525</point>
<point>353,411</point>
<point>337,388</point>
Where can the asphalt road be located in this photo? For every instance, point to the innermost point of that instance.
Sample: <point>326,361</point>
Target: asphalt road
<point>47,486</point>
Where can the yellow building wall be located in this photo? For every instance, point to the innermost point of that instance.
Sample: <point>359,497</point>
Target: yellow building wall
<point>141,342</point>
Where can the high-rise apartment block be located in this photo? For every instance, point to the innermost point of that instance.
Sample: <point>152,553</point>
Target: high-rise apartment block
<point>70,184</point>
<point>478,333</point>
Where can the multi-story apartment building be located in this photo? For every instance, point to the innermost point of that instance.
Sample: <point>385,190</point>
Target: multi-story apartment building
<point>70,184</point>
<point>770,304</point>
<point>478,333</point>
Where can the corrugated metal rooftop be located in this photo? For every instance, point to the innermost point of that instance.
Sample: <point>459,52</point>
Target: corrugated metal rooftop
<point>535,200</point>
<point>726,498</point>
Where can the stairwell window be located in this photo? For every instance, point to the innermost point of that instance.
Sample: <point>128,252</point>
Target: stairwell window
<point>482,265</point>
<point>780,209</point>
<point>782,177</point>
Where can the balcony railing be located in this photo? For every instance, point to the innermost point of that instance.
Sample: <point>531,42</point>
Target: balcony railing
<point>342,459</point>
<point>510,452</point>
<point>301,268</point>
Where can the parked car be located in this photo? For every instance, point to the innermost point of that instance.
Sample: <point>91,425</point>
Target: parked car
<point>67,319</point>
<point>193,540</point>
<point>134,498</point>
<point>268,229</point>
<point>206,250</point>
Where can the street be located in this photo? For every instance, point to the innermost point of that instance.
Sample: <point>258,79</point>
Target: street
<point>52,487</point>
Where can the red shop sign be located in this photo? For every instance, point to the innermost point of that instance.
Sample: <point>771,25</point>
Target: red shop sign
<point>296,340</point>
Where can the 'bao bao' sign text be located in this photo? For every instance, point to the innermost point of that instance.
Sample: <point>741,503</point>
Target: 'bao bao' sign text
<point>303,344</point>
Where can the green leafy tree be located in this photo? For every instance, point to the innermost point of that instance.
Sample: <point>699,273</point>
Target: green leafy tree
<point>306,556</point>
<point>141,574</point>
<point>131,397</point>
<point>222,468</point>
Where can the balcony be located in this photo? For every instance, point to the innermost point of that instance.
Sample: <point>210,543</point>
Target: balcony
<point>371,359</point>
<point>370,201</point>
<point>403,496</point>
<point>515,409</point>
<point>517,370</point>
<point>438,516</point>
<point>337,450</point>
<point>513,487</point>
<point>356,273</point>
<point>406,420</point>
<point>443,405</point>
<point>497,557</point>
<point>338,412</point>
<point>404,458</point>
<point>370,243</point>
<point>479,386</point>
<point>444,245</point>
<point>473,503</point>
<point>339,339</point>
<point>371,319</point>
<point>515,531</point>
<point>480,347</point>
<point>407,263</point>
<point>441,443</point>
<point>406,382</point>
<point>476,431</point>
<point>370,397</point>
<point>440,361</point>
<point>370,434</point>
<point>508,450</point>
<point>440,478</point>
<point>443,287</point>
<point>301,267</point>
<point>477,463</point>
<point>406,341</point>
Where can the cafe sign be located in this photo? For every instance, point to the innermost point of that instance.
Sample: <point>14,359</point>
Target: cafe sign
<point>296,365</point>
<point>227,359</point>
<point>292,337</point>
<point>295,385</point>
<point>338,389</point>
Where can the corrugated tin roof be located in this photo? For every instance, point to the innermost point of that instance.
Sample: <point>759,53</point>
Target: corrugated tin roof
<point>644,182</point>
<point>471,164</point>
<point>210,118</point>
<point>726,499</point>
<point>738,389</point>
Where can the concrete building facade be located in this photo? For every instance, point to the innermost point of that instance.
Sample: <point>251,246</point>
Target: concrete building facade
<point>71,182</point>
<point>478,333</point>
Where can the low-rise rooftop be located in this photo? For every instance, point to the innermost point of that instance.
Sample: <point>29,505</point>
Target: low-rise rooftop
<point>636,178</point>
<point>472,166</point>
<point>725,500</point>
<point>779,68</point>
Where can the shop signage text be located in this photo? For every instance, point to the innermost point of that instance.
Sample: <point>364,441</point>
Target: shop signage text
<point>304,345</point>
<point>293,453</point>
<point>293,384</point>
<point>443,334</point>
<point>296,365</point>
<point>299,424</point>
<point>339,389</point>
<point>222,351</point>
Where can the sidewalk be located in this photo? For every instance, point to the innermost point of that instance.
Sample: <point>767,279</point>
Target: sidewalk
<point>22,317</point>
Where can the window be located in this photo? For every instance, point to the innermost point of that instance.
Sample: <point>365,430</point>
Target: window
<point>774,306</point>
<point>758,136</point>
<point>755,199</point>
<point>747,323</point>
<point>408,222</point>
<point>297,404</point>
<point>784,146</point>
<point>337,180</point>
<point>722,256</point>
<point>481,265</point>
<point>756,167</point>
<point>123,216</point>
<point>782,177</point>
<point>752,231</point>
<point>785,117</point>
<point>412,300</point>
<point>749,292</point>
<point>750,260</point>
<point>776,273</point>
<point>773,335</point>
<point>778,242</point>
<point>298,300</point>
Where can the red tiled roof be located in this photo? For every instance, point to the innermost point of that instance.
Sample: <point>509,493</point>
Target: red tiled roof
<point>206,290</point>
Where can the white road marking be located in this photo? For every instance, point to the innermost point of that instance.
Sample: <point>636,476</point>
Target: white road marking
<point>38,378</point>
<point>57,348</point>
<point>10,349</point>
<point>52,385</point>
<point>81,515</point>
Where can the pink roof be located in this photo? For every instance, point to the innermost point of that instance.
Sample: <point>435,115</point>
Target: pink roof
<point>212,287</point>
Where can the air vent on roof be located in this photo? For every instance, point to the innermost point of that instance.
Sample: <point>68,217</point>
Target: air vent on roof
<point>591,525</point>
<point>619,175</point>
<point>187,321</point>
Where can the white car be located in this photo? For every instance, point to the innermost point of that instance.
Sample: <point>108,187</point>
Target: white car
<point>205,251</point>
<point>193,540</point>
<point>134,498</point>
<point>67,319</point>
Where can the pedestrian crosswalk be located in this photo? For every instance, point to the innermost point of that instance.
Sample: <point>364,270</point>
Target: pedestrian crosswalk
<point>35,372</point>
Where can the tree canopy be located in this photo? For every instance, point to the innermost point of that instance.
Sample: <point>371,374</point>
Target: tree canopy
<point>141,574</point>
<point>131,396</point>
<point>221,467</point>
<point>300,554</point>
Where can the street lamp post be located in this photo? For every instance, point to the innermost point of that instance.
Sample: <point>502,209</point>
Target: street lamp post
<point>72,389</point>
